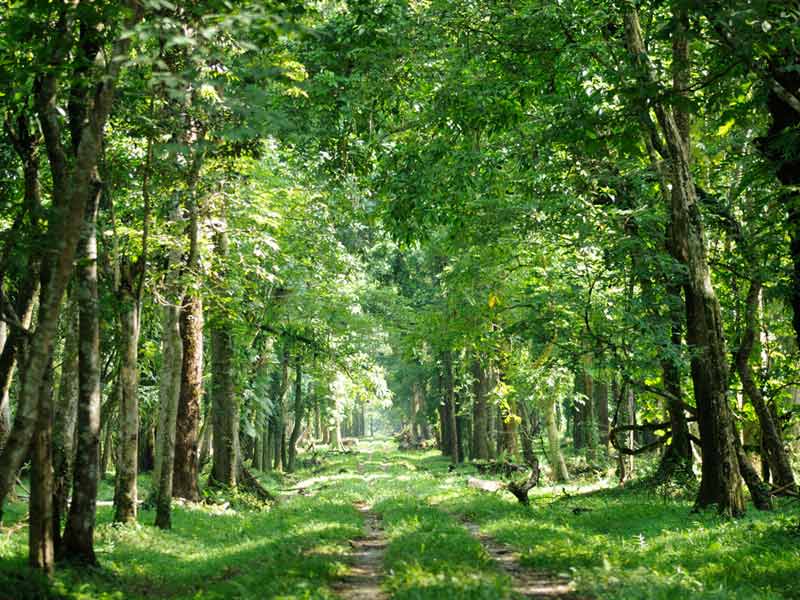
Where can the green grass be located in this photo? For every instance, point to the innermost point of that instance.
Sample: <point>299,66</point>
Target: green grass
<point>621,544</point>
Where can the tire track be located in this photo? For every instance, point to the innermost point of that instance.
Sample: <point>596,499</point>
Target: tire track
<point>363,580</point>
<point>525,583</point>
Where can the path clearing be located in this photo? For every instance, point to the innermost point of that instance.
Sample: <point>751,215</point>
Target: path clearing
<point>524,582</point>
<point>363,580</point>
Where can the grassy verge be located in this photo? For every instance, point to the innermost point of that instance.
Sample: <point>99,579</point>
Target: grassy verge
<point>617,544</point>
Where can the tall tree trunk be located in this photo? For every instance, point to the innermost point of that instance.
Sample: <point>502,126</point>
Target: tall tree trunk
<point>225,408</point>
<point>299,411</point>
<point>126,485</point>
<point>510,429</point>
<point>185,482</point>
<point>66,419</point>
<point>771,438</point>
<point>554,455</point>
<point>601,410</point>
<point>530,428</point>
<point>71,189</point>
<point>450,403</point>
<point>185,478</point>
<point>625,416</point>
<point>721,479</point>
<point>41,541</point>
<point>79,532</point>
<point>480,421</point>
<point>206,441</point>
<point>169,389</point>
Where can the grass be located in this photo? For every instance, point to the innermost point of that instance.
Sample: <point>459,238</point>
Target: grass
<point>620,544</point>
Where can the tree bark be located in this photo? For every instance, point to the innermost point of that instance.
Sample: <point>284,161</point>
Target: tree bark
<point>299,411</point>
<point>41,540</point>
<point>66,419</point>
<point>185,478</point>
<point>554,455</point>
<point>480,420</point>
<point>79,532</point>
<point>225,408</point>
<point>721,481</point>
<point>450,403</point>
<point>169,389</point>
<point>771,439</point>
<point>126,485</point>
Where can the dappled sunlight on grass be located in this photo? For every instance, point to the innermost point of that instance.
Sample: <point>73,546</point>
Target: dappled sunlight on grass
<point>619,544</point>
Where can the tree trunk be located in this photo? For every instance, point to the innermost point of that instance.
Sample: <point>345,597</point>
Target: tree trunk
<point>299,411</point>
<point>205,439</point>
<point>169,389</point>
<point>79,532</point>
<point>66,419</point>
<point>41,541</point>
<point>126,485</point>
<point>721,480</point>
<point>450,403</point>
<point>601,410</point>
<point>589,414</point>
<point>554,455</point>
<point>771,439</point>
<point>185,478</point>
<point>225,408</point>
<point>480,421</point>
<point>530,429</point>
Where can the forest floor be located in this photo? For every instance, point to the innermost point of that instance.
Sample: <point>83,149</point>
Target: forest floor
<point>379,523</point>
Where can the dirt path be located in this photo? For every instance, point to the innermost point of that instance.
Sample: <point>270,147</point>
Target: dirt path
<point>363,581</point>
<point>525,583</point>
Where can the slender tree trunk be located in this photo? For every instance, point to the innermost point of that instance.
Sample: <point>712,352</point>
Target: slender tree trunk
<point>225,408</point>
<point>299,411</point>
<point>771,438</point>
<point>450,403</point>
<point>126,485</point>
<point>480,421</point>
<point>528,432</point>
<point>601,409</point>
<point>79,532</point>
<point>66,419</point>
<point>169,389</point>
<point>185,478</point>
<point>554,455</point>
<point>169,392</point>
<point>41,542</point>
<point>206,439</point>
